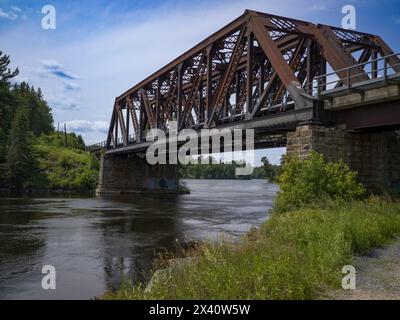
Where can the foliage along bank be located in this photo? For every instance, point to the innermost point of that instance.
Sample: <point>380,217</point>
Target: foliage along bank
<point>33,156</point>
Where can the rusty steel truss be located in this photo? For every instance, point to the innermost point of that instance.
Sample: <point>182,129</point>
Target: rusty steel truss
<point>259,65</point>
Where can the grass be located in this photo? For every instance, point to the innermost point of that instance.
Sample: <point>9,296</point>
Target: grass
<point>294,255</point>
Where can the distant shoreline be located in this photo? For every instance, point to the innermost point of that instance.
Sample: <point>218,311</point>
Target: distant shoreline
<point>6,191</point>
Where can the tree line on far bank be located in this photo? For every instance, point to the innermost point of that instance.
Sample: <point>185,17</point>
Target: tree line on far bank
<point>227,171</point>
<point>27,138</point>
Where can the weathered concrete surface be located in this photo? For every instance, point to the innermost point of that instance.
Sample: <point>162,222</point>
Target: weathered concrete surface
<point>375,156</point>
<point>123,174</point>
<point>367,96</point>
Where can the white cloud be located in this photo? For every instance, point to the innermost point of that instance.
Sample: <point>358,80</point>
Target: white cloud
<point>319,7</point>
<point>20,78</point>
<point>65,103</point>
<point>16,9</point>
<point>101,126</point>
<point>52,67</point>
<point>71,86</point>
<point>7,15</point>
<point>10,15</point>
<point>51,64</point>
<point>83,126</point>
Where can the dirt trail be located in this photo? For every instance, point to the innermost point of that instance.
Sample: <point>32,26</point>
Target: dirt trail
<point>377,277</point>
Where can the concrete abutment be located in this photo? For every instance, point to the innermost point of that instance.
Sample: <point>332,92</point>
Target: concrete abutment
<point>125,174</point>
<point>375,156</point>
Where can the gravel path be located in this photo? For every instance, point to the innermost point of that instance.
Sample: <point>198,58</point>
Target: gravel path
<point>377,276</point>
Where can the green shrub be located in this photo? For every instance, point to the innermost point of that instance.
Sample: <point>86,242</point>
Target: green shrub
<point>58,139</point>
<point>65,169</point>
<point>312,180</point>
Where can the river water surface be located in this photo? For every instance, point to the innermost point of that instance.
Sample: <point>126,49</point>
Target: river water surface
<point>94,242</point>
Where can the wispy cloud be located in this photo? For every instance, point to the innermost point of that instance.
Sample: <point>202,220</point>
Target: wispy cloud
<point>66,103</point>
<point>10,15</point>
<point>319,7</point>
<point>20,78</point>
<point>54,68</point>
<point>71,86</point>
<point>83,126</point>
<point>16,9</point>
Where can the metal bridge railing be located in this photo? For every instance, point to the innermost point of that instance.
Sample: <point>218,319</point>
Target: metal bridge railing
<point>97,146</point>
<point>374,69</point>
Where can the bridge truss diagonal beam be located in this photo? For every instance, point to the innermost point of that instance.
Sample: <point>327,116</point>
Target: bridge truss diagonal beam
<point>257,66</point>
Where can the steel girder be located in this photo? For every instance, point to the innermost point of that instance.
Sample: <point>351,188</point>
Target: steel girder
<point>256,66</point>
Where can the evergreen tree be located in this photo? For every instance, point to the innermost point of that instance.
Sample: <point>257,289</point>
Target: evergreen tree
<point>6,116</point>
<point>5,72</point>
<point>80,143</point>
<point>6,109</point>
<point>19,165</point>
<point>39,113</point>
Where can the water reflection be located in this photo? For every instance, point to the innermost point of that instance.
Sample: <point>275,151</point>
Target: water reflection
<point>132,237</point>
<point>94,243</point>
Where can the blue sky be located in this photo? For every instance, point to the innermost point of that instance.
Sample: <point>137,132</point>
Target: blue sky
<point>101,48</point>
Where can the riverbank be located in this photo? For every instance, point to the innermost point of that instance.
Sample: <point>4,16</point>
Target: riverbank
<point>294,255</point>
<point>57,169</point>
<point>46,192</point>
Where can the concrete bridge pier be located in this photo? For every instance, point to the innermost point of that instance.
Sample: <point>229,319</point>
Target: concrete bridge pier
<point>127,174</point>
<point>375,156</point>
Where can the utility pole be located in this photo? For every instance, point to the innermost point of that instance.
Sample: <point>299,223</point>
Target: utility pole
<point>65,135</point>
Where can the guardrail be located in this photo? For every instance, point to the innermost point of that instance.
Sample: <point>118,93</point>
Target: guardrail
<point>374,69</point>
<point>97,146</point>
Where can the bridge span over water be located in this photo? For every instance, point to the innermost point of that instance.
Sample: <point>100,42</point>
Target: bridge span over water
<point>297,84</point>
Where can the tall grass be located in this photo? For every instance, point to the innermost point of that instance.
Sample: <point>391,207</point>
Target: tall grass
<point>294,255</point>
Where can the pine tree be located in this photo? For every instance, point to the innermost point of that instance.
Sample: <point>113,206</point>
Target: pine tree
<point>6,109</point>
<point>39,113</point>
<point>80,143</point>
<point>5,72</point>
<point>20,160</point>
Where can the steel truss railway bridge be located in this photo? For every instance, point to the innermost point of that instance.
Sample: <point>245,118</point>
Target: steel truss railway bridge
<point>297,84</point>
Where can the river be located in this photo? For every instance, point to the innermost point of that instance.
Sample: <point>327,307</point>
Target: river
<point>95,242</point>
